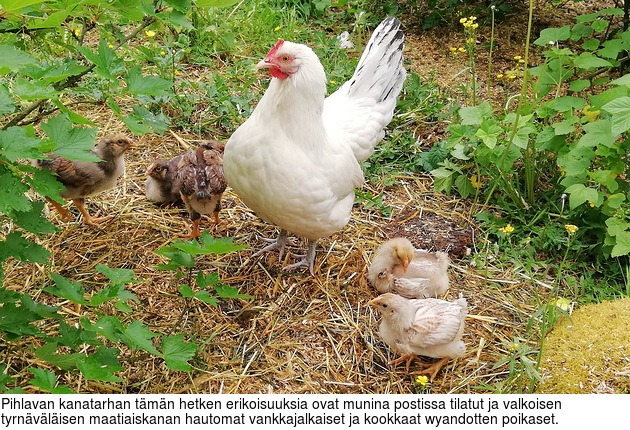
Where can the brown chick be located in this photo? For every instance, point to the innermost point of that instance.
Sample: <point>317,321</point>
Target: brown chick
<point>428,327</point>
<point>202,182</point>
<point>83,179</point>
<point>399,268</point>
<point>162,184</point>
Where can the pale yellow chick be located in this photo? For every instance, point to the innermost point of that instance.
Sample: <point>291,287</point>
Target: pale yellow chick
<point>399,268</point>
<point>427,327</point>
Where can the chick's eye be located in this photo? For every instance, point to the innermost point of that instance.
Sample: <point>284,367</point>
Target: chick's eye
<point>384,305</point>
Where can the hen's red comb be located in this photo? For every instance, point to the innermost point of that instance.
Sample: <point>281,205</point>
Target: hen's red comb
<point>275,47</point>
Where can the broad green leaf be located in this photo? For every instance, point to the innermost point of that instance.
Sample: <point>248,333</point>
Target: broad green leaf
<point>622,245</point>
<point>143,121</point>
<point>228,292</point>
<point>624,80</point>
<point>16,321</point>
<point>443,179</point>
<point>34,89</point>
<point>599,25</point>
<point>110,327</point>
<point>40,309</point>
<point>48,353</point>
<point>579,85</point>
<point>4,378</point>
<point>13,59</point>
<point>147,85</point>
<point>64,71</point>
<point>587,18</point>
<point>67,289</point>
<point>33,221</point>
<point>587,61</point>
<point>616,226</point>
<point>579,194</point>
<point>182,6</point>
<point>74,143</point>
<point>474,115</point>
<point>94,370</point>
<point>489,133</point>
<point>22,249</point>
<point>598,133</point>
<point>107,63</point>
<point>566,104</point>
<point>54,20</point>
<point>553,35</point>
<point>591,44</point>
<point>117,276</point>
<point>16,143</point>
<point>139,337</point>
<point>581,31</point>
<point>45,182</point>
<point>7,104</point>
<point>615,200</point>
<point>620,110</point>
<point>12,5</point>
<point>74,337</point>
<point>177,353</point>
<point>43,379</point>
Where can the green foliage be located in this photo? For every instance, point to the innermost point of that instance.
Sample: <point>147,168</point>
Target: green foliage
<point>555,144</point>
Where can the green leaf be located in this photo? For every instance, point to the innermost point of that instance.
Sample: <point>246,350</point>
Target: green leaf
<point>33,221</point>
<point>616,227</point>
<point>74,337</point>
<point>566,104</point>
<point>12,198</point>
<point>443,179</point>
<point>15,143</point>
<point>67,289</point>
<point>13,59</point>
<point>74,143</point>
<point>24,250</point>
<point>587,61</point>
<point>108,65</point>
<point>139,337</point>
<point>177,353</point>
<point>7,104</point>
<point>622,245</point>
<point>94,370</point>
<point>16,321</point>
<point>489,133</point>
<point>579,85</point>
<point>553,35</point>
<point>12,5</point>
<point>110,327</point>
<point>147,85</point>
<point>474,115</point>
<point>47,353</point>
<point>45,182</point>
<point>144,121</point>
<point>34,89</point>
<point>228,292</point>
<point>620,110</point>
<point>579,194</point>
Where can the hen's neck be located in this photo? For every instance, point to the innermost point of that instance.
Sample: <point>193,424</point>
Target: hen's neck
<point>295,104</point>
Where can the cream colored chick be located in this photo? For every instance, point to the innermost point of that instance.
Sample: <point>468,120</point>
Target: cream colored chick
<point>399,268</point>
<point>428,327</point>
<point>162,184</point>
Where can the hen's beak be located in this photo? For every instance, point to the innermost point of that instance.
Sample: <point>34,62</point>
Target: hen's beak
<point>264,64</point>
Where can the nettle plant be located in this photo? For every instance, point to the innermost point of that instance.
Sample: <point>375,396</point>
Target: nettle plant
<point>568,137</point>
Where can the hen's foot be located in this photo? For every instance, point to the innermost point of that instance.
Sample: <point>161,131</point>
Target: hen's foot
<point>279,243</point>
<point>308,260</point>
<point>405,358</point>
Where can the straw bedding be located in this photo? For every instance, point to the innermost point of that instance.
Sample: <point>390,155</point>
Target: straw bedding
<point>299,334</point>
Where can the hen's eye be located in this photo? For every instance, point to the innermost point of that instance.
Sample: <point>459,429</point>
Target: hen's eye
<point>285,58</point>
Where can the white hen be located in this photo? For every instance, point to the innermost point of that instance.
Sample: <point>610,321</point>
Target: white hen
<point>399,268</point>
<point>428,327</point>
<point>295,161</point>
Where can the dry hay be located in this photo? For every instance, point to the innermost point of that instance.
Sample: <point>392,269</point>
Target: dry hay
<point>300,334</point>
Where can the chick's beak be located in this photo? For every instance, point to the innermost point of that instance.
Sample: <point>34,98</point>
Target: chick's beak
<point>373,302</point>
<point>405,263</point>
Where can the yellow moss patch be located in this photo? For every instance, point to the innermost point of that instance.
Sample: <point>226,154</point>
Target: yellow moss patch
<point>590,352</point>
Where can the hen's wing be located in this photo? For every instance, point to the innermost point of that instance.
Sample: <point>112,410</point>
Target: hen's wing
<point>437,322</point>
<point>357,113</point>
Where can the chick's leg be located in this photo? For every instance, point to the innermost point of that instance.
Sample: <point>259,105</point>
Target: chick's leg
<point>62,211</point>
<point>196,232</point>
<point>433,369</point>
<point>87,218</point>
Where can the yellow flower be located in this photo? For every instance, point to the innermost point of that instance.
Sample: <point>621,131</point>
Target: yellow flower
<point>470,41</point>
<point>507,229</point>
<point>475,25</point>
<point>150,33</point>
<point>177,73</point>
<point>110,46</point>
<point>422,380</point>
<point>463,20</point>
<point>472,18</point>
<point>162,53</point>
<point>475,182</point>
<point>591,204</point>
<point>277,28</point>
<point>500,75</point>
<point>333,82</point>
<point>461,50</point>
<point>513,347</point>
<point>452,49</point>
<point>517,57</point>
<point>571,229</point>
<point>77,32</point>
<point>511,76</point>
